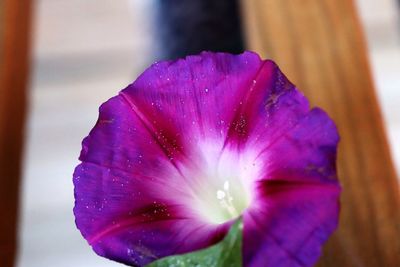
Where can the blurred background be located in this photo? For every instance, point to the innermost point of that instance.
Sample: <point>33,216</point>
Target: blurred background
<point>84,52</point>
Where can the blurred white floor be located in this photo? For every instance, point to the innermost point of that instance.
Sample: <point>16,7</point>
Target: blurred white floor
<point>84,53</point>
<point>381,23</point>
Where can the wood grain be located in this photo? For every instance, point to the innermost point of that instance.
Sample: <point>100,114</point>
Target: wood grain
<point>14,54</point>
<point>320,46</point>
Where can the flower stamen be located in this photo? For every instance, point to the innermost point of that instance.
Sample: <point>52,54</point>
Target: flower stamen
<point>226,200</point>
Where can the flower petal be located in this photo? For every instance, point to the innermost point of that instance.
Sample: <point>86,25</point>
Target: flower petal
<point>297,203</point>
<point>203,96</point>
<point>291,225</point>
<point>130,199</point>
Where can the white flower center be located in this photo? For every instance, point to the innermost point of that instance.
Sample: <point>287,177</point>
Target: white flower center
<point>225,191</point>
<point>229,204</point>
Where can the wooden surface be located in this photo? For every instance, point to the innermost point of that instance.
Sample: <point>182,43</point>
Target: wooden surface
<point>320,46</point>
<point>14,29</point>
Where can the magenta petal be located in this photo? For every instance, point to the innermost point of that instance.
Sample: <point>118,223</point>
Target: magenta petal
<point>289,226</point>
<point>129,197</point>
<point>297,203</point>
<point>182,136</point>
<point>200,96</point>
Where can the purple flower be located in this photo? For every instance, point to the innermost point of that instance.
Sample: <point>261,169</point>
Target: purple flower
<point>195,143</point>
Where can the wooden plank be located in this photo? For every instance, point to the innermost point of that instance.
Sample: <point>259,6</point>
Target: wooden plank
<point>320,46</point>
<point>14,54</point>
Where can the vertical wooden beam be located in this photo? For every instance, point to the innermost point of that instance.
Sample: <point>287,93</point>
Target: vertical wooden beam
<point>14,55</point>
<point>320,46</point>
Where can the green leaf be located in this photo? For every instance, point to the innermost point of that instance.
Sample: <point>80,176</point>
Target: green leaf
<point>227,253</point>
